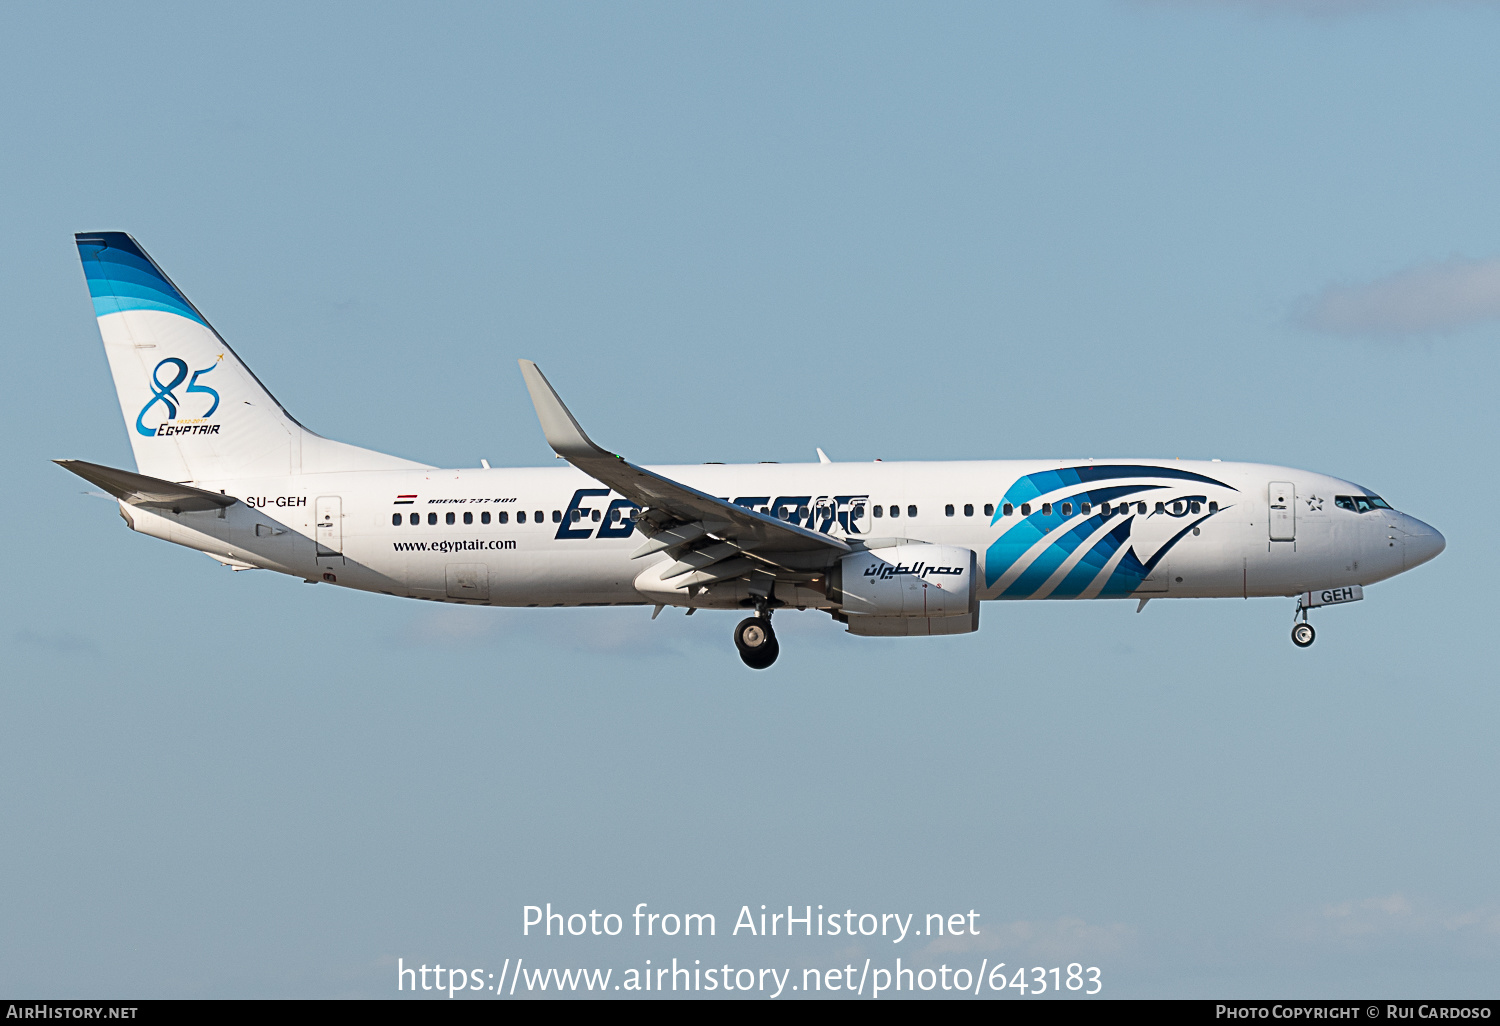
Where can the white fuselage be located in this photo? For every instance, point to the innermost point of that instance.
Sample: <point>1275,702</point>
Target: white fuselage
<point>1188,528</point>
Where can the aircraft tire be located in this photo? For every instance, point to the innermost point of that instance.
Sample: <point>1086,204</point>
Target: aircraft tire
<point>756,642</point>
<point>1303,635</point>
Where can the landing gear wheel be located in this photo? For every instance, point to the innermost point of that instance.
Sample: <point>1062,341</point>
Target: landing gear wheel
<point>756,642</point>
<point>1303,635</point>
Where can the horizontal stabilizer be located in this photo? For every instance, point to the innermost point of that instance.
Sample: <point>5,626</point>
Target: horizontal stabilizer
<point>152,492</point>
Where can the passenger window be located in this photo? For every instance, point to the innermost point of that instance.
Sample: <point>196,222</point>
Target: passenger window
<point>431,519</point>
<point>520,516</point>
<point>1213,507</point>
<point>911,511</point>
<point>575,515</point>
<point>1176,507</point>
<point>895,512</point>
<point>1195,507</point>
<point>968,509</point>
<point>504,517</point>
<point>879,511</point>
<point>557,516</point>
<point>948,510</point>
<point>539,518</point>
<point>1006,510</point>
<point>449,518</point>
<point>415,518</point>
<point>1140,508</point>
<point>802,512</point>
<point>614,516</point>
<point>484,517</point>
<point>468,517</point>
<point>1025,509</point>
<point>595,515</point>
<point>1161,507</point>
<point>1067,509</point>
<point>1088,508</point>
<point>395,519</point>
<point>989,509</point>
<point>1046,509</point>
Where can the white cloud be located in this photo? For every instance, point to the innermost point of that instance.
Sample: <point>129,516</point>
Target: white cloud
<point>1068,939</point>
<point>1425,300</point>
<point>1396,916</point>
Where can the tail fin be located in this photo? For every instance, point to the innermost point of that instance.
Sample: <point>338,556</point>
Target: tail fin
<point>192,408</point>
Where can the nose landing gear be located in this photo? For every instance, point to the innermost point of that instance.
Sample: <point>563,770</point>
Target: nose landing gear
<point>756,641</point>
<point>1302,632</point>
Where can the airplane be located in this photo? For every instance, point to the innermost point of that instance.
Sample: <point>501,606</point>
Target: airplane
<point>888,549</point>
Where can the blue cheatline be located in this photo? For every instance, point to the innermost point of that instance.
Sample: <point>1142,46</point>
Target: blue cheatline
<point>1044,481</point>
<point>122,277</point>
<point>1014,543</point>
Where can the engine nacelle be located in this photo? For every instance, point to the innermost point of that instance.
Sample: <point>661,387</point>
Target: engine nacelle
<point>885,591</point>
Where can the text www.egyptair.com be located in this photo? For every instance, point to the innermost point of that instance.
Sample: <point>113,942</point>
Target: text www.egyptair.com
<point>850,980</point>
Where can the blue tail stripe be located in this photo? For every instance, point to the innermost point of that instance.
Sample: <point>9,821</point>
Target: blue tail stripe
<point>122,277</point>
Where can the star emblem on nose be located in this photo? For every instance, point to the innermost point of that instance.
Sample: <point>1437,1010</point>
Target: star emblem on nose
<point>1314,502</point>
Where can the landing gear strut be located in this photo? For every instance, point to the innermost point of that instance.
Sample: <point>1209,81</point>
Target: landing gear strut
<point>756,640</point>
<point>1302,633</point>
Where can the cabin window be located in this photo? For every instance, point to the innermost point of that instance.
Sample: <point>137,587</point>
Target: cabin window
<point>520,516</point>
<point>415,519</point>
<point>1007,510</point>
<point>1161,507</point>
<point>989,509</point>
<point>968,509</point>
<point>895,512</point>
<point>1195,507</point>
<point>504,517</point>
<point>803,511</point>
<point>911,511</point>
<point>1213,507</point>
<point>556,516</point>
<point>614,516</point>
<point>1140,508</point>
<point>431,519</point>
<point>1104,510</point>
<point>1067,509</point>
<point>484,517</point>
<point>879,511</point>
<point>449,517</point>
<point>1176,507</point>
<point>1046,509</point>
<point>1088,507</point>
<point>594,515</point>
<point>468,517</point>
<point>575,515</point>
<point>1025,509</point>
<point>395,519</point>
<point>948,510</point>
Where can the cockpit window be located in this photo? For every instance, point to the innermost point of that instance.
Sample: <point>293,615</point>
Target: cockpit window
<point>1360,503</point>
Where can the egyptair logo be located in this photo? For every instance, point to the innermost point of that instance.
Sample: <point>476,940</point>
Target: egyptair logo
<point>164,394</point>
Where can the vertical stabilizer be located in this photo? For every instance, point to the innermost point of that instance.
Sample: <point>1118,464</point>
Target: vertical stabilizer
<point>192,409</point>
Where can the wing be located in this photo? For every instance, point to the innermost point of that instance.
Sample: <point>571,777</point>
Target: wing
<point>151,492</point>
<point>714,540</point>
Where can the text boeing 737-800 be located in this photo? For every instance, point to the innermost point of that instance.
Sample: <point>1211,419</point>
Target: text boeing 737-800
<point>888,549</point>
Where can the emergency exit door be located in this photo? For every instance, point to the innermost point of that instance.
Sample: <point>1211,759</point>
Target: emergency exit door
<point>1283,519</point>
<point>329,527</point>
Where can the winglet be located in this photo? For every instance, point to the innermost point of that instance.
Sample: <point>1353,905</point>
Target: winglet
<point>567,439</point>
<point>823,457</point>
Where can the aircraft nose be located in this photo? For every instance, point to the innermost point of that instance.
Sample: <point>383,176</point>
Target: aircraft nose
<point>1422,543</point>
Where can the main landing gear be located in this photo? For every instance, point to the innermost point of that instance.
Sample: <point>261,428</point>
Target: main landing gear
<point>756,641</point>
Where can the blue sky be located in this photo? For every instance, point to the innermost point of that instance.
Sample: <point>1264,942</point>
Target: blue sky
<point>1246,230</point>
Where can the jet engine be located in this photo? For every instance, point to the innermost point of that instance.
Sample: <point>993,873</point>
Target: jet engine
<point>908,589</point>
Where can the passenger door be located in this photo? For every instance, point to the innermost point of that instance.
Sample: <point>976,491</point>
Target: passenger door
<point>328,528</point>
<point>1283,515</point>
